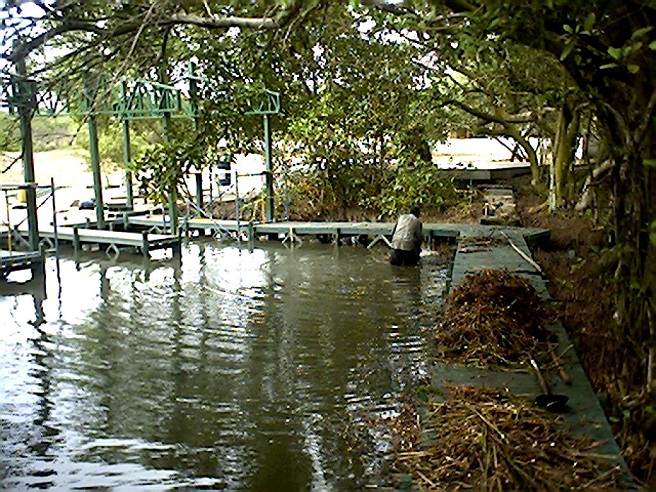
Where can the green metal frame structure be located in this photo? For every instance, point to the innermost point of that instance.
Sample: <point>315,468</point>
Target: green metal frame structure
<point>127,101</point>
<point>269,106</point>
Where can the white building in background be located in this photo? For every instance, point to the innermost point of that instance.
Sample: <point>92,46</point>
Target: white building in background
<point>475,153</point>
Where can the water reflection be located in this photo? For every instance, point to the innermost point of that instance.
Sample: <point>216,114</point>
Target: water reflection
<point>234,369</point>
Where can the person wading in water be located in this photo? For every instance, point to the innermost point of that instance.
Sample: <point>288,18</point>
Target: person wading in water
<point>406,239</point>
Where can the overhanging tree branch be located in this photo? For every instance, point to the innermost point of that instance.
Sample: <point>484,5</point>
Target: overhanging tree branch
<point>122,27</point>
<point>508,122</point>
<point>23,48</point>
<point>498,116</point>
<point>223,22</point>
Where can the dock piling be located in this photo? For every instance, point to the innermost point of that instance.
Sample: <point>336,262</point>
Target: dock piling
<point>76,240</point>
<point>177,250</point>
<point>145,246</point>
<point>336,236</point>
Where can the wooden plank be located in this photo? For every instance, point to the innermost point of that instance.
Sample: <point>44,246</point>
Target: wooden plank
<point>300,228</point>
<point>147,221</point>
<point>306,228</point>
<point>196,223</point>
<point>11,261</point>
<point>18,186</point>
<point>18,255</point>
<point>105,237</point>
<point>431,230</point>
<point>352,228</point>
<point>117,238</point>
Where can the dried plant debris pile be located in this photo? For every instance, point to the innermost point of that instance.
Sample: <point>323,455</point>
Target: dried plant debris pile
<point>494,318</point>
<point>484,439</point>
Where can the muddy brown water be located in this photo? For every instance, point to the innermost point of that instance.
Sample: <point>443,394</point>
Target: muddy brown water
<point>234,370</point>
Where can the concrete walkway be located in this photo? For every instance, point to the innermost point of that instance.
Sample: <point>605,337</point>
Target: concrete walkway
<point>489,247</point>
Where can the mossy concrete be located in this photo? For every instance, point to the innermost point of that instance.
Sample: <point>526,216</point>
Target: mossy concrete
<point>584,413</point>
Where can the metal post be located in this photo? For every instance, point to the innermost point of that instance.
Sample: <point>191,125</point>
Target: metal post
<point>211,204</point>
<point>76,240</point>
<point>9,245</point>
<point>269,169</point>
<point>251,236</point>
<point>237,211</point>
<point>95,158</point>
<point>127,157</point>
<point>173,193</point>
<point>54,227</point>
<point>145,245</point>
<point>193,93</point>
<point>173,210</point>
<point>25,110</point>
<point>199,190</point>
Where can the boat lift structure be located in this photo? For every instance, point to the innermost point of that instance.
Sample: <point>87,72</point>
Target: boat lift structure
<point>127,101</point>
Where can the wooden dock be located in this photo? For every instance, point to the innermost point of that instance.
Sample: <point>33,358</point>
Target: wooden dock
<point>287,228</point>
<point>114,240</point>
<point>294,231</point>
<point>157,224</point>
<point>11,261</point>
<point>374,231</point>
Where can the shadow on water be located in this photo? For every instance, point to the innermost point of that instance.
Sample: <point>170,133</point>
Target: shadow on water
<point>233,369</point>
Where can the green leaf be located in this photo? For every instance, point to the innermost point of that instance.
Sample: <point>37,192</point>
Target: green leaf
<point>588,24</point>
<point>567,50</point>
<point>633,68</point>
<point>641,32</point>
<point>635,46</point>
<point>568,29</point>
<point>652,45</point>
<point>649,163</point>
<point>608,65</point>
<point>616,53</point>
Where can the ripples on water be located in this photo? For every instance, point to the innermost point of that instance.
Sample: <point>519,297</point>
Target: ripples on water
<point>237,370</point>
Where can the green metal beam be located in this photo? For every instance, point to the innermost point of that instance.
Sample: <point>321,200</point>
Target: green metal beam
<point>127,157</point>
<point>269,104</point>
<point>150,99</point>
<point>95,157</point>
<point>173,193</point>
<point>193,95</point>
<point>268,176</point>
<point>138,100</point>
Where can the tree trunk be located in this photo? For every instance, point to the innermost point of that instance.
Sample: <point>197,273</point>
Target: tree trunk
<point>634,210</point>
<point>512,131</point>
<point>587,191</point>
<point>564,147</point>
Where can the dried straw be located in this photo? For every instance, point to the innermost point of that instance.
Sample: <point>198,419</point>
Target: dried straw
<point>484,439</point>
<point>494,318</point>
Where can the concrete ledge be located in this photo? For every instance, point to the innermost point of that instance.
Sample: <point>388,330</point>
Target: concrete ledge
<point>585,414</point>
